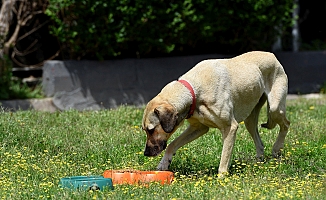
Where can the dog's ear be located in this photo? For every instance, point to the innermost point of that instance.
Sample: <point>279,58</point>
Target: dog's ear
<point>167,116</point>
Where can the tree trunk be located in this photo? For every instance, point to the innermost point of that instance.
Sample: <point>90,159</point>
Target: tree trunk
<point>5,19</point>
<point>295,28</point>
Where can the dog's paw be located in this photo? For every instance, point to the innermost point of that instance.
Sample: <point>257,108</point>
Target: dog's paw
<point>164,165</point>
<point>277,150</point>
<point>277,154</point>
<point>260,158</point>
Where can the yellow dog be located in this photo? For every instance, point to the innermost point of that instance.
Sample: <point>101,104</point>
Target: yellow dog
<point>219,93</point>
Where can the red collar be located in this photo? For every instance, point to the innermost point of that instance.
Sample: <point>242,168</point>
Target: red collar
<point>193,105</point>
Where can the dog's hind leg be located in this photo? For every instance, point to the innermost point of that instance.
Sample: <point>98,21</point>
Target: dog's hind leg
<point>270,124</point>
<point>280,118</point>
<point>251,125</point>
<point>194,130</point>
<point>277,112</point>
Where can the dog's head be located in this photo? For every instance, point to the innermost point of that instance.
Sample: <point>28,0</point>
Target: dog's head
<point>159,121</point>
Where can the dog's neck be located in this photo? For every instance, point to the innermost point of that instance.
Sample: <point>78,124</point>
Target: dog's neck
<point>192,92</point>
<point>176,94</point>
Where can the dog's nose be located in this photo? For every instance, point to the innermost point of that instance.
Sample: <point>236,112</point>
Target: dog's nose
<point>147,151</point>
<point>152,150</point>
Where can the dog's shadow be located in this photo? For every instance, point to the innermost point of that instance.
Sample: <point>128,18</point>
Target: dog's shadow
<point>238,166</point>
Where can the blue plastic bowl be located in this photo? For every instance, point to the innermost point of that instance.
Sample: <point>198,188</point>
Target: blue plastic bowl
<point>86,183</point>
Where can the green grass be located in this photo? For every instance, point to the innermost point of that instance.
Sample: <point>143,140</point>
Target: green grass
<point>38,148</point>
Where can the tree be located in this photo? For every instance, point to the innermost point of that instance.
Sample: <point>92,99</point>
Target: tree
<point>5,18</point>
<point>22,35</point>
<point>19,19</point>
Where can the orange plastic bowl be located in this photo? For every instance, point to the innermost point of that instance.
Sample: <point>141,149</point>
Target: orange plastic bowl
<point>138,177</point>
<point>122,176</point>
<point>163,177</point>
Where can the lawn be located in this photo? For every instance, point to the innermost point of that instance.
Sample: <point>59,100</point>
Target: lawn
<point>39,148</point>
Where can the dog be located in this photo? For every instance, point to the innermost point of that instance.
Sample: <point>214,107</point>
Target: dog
<point>219,93</point>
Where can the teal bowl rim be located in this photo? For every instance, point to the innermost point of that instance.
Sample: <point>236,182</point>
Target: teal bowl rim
<point>86,182</point>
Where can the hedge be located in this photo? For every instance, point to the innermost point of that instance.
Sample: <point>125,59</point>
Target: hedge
<point>102,29</point>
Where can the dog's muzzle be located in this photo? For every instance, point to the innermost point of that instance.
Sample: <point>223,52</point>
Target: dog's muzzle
<point>154,150</point>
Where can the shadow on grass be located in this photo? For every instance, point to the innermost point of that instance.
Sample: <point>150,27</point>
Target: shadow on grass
<point>238,166</point>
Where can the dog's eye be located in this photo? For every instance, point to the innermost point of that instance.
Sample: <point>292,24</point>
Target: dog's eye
<point>150,131</point>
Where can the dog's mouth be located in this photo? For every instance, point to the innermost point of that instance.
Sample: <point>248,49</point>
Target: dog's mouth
<point>155,150</point>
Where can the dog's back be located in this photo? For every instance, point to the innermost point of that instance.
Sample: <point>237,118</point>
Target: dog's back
<point>266,62</point>
<point>242,80</point>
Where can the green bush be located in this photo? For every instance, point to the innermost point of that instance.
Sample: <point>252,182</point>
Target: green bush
<point>11,88</point>
<point>101,29</point>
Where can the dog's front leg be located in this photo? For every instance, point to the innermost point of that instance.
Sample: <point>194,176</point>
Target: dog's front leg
<point>193,131</point>
<point>229,135</point>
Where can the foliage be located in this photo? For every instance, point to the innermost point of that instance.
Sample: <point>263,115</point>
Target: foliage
<point>11,88</point>
<point>100,29</point>
<point>39,148</point>
<point>323,88</point>
<point>313,45</point>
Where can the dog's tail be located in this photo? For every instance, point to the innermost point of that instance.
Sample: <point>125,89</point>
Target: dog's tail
<point>270,123</point>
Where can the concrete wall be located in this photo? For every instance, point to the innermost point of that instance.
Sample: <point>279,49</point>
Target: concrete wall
<point>108,84</point>
<point>45,104</point>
